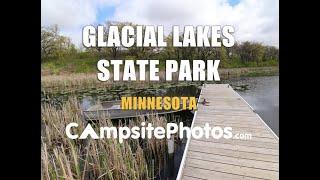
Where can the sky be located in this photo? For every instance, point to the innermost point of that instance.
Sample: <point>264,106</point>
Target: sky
<point>253,20</point>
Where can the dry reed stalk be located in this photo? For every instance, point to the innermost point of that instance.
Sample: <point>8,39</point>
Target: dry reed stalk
<point>63,158</point>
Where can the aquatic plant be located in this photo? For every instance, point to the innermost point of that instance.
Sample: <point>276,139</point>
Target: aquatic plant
<point>63,158</point>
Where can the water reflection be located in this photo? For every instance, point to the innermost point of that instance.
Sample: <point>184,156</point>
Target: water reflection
<point>263,96</point>
<point>186,90</point>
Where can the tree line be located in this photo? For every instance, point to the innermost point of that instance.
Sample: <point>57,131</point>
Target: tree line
<point>55,46</point>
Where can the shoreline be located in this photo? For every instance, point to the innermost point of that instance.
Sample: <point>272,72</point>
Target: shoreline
<point>89,80</point>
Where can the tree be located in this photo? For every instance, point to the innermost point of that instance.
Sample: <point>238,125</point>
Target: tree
<point>271,53</point>
<point>142,52</point>
<point>251,52</point>
<point>223,56</point>
<point>55,46</point>
<point>115,50</point>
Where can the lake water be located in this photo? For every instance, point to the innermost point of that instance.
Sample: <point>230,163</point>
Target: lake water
<point>263,96</point>
<point>262,93</point>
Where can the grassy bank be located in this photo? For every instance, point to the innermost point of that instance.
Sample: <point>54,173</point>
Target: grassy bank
<point>76,81</point>
<point>89,65</point>
<point>63,158</point>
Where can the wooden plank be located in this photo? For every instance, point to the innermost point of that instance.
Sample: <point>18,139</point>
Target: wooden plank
<point>237,154</point>
<point>250,143</point>
<point>208,174</point>
<point>274,166</point>
<point>257,158</point>
<point>233,169</point>
<point>190,178</point>
<point>234,147</point>
<point>243,125</point>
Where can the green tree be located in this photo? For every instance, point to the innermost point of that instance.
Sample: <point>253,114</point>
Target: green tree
<point>271,53</point>
<point>55,46</point>
<point>251,52</point>
<point>223,56</point>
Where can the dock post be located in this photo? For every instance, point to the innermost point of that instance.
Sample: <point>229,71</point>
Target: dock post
<point>170,166</point>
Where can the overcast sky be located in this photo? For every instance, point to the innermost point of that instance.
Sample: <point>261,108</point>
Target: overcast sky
<point>254,20</point>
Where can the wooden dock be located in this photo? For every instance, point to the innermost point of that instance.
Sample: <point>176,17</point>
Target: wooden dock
<point>257,158</point>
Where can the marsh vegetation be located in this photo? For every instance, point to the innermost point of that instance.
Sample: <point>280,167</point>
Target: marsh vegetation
<point>63,158</point>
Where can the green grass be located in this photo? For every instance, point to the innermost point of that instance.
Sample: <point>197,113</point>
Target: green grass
<point>89,65</point>
<point>63,66</point>
<point>237,63</point>
<point>263,73</point>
